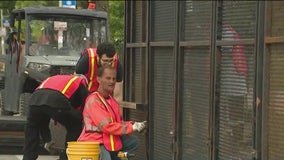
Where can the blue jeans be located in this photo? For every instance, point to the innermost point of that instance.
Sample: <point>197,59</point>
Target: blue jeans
<point>129,144</point>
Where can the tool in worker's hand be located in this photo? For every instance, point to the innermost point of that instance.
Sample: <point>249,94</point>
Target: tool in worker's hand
<point>124,155</point>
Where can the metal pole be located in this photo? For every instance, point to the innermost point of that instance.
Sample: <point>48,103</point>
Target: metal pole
<point>60,3</point>
<point>2,38</point>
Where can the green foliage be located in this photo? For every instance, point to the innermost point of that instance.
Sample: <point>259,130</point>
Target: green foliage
<point>7,7</point>
<point>116,19</point>
<point>20,4</point>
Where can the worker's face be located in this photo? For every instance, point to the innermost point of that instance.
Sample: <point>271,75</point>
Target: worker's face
<point>104,60</point>
<point>107,80</point>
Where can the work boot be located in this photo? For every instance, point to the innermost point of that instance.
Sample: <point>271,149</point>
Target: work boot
<point>63,155</point>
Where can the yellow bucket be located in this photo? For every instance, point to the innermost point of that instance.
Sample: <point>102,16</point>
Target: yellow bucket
<point>83,150</point>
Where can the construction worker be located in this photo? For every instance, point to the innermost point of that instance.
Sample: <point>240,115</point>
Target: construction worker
<point>102,121</point>
<point>234,85</point>
<point>92,58</point>
<point>60,97</point>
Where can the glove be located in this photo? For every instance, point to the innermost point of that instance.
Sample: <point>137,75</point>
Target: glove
<point>48,145</point>
<point>139,126</point>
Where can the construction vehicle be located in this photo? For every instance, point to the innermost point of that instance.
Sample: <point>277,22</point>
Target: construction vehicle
<point>43,41</point>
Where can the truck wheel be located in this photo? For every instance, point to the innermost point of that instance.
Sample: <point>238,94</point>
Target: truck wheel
<point>2,104</point>
<point>2,101</point>
<point>24,103</point>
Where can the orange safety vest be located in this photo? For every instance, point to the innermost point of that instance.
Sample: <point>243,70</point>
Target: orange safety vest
<point>93,67</point>
<point>66,84</point>
<point>111,142</point>
<point>103,123</point>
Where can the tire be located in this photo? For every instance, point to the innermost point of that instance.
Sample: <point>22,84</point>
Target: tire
<point>2,104</point>
<point>2,99</point>
<point>24,103</point>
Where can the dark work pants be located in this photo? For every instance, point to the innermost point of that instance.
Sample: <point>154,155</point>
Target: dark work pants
<point>236,112</point>
<point>236,107</point>
<point>129,144</point>
<point>37,126</point>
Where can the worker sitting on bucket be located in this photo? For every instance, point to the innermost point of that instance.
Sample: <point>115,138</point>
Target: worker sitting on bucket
<point>59,97</point>
<point>102,120</point>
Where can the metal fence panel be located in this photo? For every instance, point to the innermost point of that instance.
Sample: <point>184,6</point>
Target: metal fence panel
<point>275,65</point>
<point>135,75</point>
<point>276,105</point>
<point>277,18</point>
<point>235,83</point>
<point>195,81</point>
<point>162,102</point>
<point>197,20</point>
<point>235,110</point>
<point>163,20</point>
<point>235,78</point>
<point>241,15</point>
<point>138,21</point>
<point>136,89</point>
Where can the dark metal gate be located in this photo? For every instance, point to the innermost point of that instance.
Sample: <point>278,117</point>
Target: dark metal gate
<point>162,74</point>
<point>274,78</point>
<point>236,28</point>
<point>194,77</point>
<point>209,77</point>
<point>135,60</point>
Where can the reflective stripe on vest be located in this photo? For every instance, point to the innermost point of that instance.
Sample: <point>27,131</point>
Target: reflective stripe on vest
<point>115,61</point>
<point>107,107</point>
<point>91,66</point>
<point>65,88</point>
<point>68,84</point>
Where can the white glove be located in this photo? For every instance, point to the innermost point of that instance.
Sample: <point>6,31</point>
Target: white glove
<point>139,126</point>
<point>48,145</point>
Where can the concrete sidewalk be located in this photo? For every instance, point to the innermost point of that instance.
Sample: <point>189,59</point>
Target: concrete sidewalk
<point>19,157</point>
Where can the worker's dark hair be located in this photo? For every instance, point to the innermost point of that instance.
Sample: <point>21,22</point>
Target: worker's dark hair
<point>106,48</point>
<point>102,69</point>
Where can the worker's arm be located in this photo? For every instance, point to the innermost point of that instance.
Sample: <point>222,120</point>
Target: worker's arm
<point>82,65</point>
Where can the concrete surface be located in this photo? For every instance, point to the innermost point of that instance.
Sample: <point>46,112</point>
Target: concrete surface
<point>19,157</point>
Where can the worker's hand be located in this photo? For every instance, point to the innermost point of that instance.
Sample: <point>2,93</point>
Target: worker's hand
<point>139,126</point>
